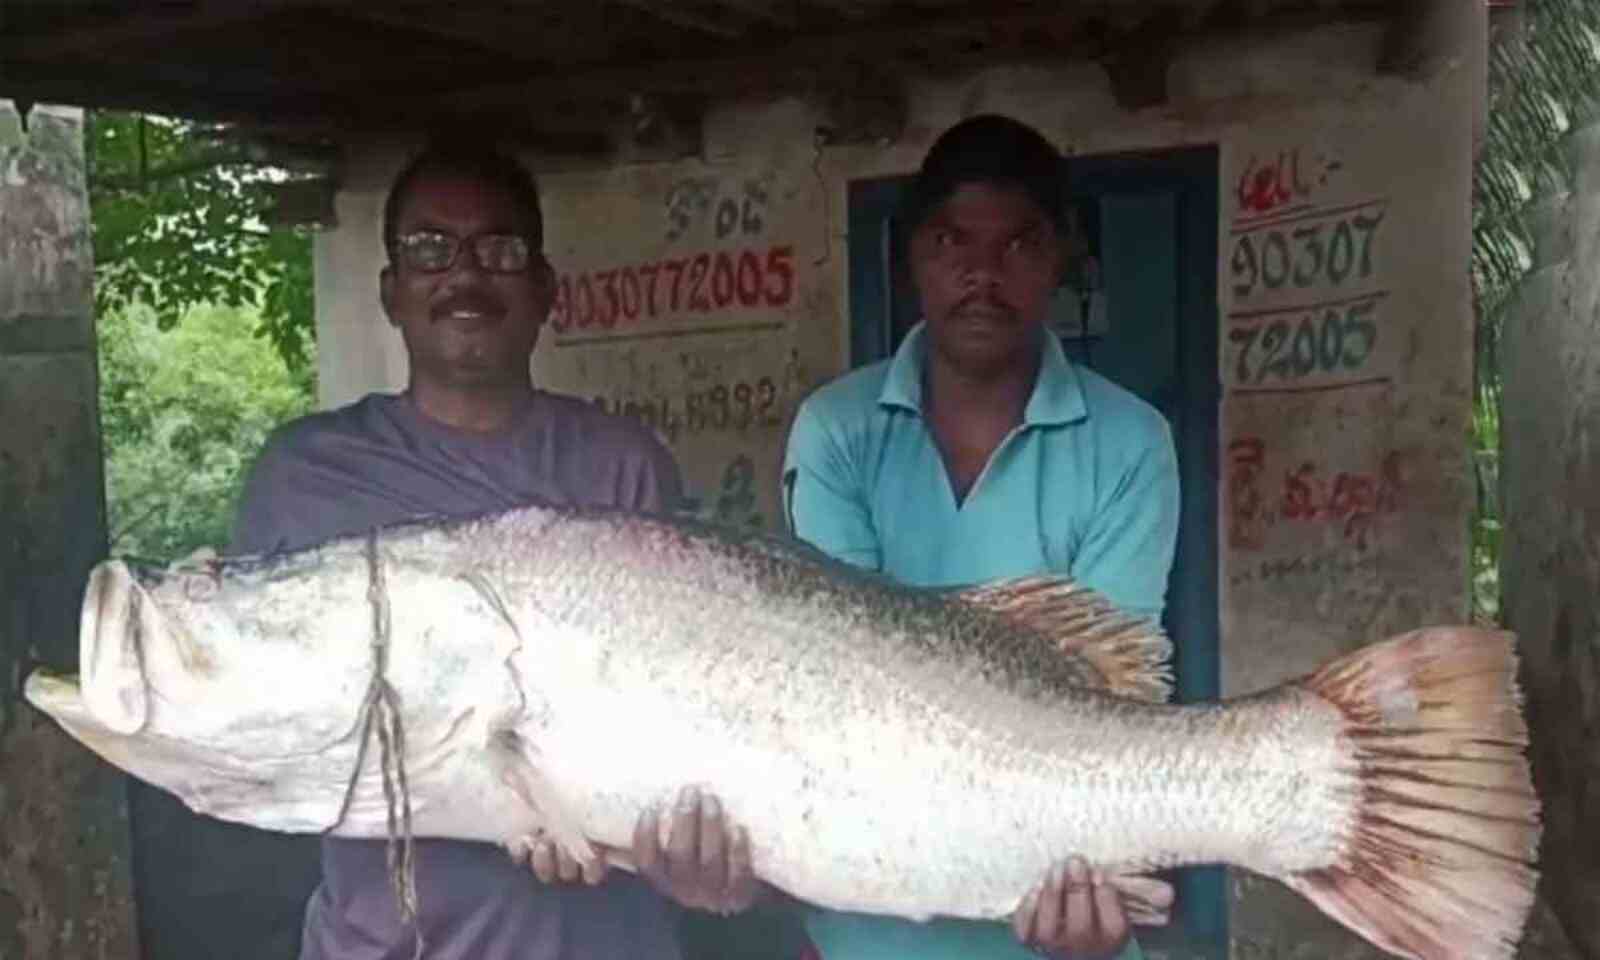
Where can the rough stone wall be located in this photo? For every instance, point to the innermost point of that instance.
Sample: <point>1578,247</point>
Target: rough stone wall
<point>64,887</point>
<point>1550,475</point>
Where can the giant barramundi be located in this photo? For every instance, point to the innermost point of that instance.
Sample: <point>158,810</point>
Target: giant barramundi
<point>551,673</point>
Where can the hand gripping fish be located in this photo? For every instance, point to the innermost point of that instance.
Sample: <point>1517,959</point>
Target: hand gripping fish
<point>901,751</point>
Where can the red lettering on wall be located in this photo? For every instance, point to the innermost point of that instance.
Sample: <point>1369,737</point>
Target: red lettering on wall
<point>1355,501</point>
<point>1282,180</point>
<point>1246,520</point>
<point>699,284</point>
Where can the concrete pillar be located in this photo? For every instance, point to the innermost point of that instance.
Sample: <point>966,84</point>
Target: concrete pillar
<point>64,887</point>
<point>1550,482</point>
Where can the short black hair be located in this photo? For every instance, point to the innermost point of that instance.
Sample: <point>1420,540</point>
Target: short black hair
<point>988,148</point>
<point>477,159</point>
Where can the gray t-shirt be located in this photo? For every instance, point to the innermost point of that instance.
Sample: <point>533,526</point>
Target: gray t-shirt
<point>377,462</point>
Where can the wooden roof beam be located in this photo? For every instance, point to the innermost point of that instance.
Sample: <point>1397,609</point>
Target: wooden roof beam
<point>504,37</point>
<point>778,13</point>
<point>1140,58</point>
<point>1137,60</point>
<point>303,118</point>
<point>780,62</point>
<point>132,29</point>
<point>683,18</point>
<point>851,9</point>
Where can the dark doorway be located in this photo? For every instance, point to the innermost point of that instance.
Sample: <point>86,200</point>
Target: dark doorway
<point>1142,312</point>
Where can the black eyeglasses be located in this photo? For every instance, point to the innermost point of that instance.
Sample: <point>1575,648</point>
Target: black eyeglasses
<point>434,251</point>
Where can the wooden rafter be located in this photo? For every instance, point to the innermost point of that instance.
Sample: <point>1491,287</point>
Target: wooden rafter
<point>778,13</point>
<point>583,35</point>
<point>778,62</point>
<point>492,35</point>
<point>685,18</point>
<point>564,69</point>
<point>104,34</point>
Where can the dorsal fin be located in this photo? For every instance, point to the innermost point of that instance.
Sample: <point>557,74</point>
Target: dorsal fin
<point>1132,654</point>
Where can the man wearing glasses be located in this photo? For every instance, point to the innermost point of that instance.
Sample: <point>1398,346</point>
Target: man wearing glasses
<point>468,288</point>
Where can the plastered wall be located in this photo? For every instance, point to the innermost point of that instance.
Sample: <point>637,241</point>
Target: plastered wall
<point>1550,439</point>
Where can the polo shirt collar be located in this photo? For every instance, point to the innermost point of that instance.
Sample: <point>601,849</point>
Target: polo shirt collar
<point>1057,396</point>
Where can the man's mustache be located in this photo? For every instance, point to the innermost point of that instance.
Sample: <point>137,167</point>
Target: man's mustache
<point>983,302</point>
<point>478,301</point>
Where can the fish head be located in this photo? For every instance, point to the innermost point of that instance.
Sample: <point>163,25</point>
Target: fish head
<point>193,676</point>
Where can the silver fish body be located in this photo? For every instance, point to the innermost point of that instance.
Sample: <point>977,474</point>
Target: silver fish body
<point>890,750</point>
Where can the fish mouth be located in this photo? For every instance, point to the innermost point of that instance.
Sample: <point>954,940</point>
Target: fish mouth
<point>116,616</point>
<point>60,697</point>
<point>57,695</point>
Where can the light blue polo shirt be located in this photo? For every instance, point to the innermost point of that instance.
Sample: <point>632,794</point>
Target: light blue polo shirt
<point>1086,486</point>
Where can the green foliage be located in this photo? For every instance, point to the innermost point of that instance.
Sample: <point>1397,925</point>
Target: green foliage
<point>1485,539</point>
<point>1544,78</point>
<point>179,214</point>
<point>205,324</point>
<point>183,414</point>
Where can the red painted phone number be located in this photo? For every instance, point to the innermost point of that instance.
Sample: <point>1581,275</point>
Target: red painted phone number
<point>700,284</point>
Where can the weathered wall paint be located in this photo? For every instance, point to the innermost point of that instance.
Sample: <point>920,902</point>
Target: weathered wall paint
<point>1344,305</point>
<point>64,888</point>
<point>677,296</point>
<point>1346,366</point>
<point>1550,472</point>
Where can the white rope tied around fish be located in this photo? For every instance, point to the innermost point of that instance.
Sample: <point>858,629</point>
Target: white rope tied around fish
<point>381,708</point>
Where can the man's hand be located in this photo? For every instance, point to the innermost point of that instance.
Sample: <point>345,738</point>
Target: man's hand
<point>1074,915</point>
<point>705,864</point>
<point>550,864</point>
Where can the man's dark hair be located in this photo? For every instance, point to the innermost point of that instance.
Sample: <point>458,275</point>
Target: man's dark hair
<point>469,158</point>
<point>988,149</point>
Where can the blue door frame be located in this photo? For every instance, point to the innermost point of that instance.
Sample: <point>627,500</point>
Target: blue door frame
<point>1176,369</point>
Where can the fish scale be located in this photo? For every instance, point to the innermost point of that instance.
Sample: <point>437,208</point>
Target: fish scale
<point>1079,750</point>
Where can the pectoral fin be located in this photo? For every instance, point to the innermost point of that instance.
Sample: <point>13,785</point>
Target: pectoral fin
<point>517,761</point>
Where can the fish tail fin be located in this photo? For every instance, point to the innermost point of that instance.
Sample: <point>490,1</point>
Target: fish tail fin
<point>1132,655</point>
<point>1440,864</point>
